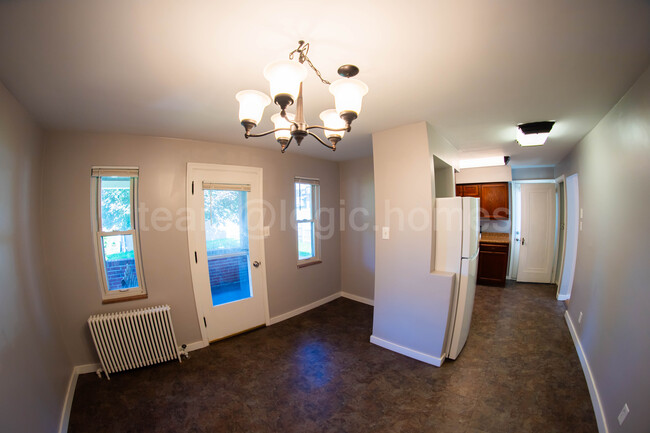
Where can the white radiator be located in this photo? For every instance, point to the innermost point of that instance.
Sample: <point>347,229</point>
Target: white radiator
<point>132,339</point>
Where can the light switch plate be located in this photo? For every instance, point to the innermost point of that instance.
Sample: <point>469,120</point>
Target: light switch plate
<point>623,414</point>
<point>267,231</point>
<point>385,232</point>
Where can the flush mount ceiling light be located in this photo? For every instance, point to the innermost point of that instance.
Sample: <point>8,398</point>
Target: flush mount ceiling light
<point>484,162</point>
<point>534,134</point>
<point>285,78</point>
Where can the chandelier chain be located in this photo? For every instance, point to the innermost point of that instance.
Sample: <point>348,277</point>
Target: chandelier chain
<point>302,50</point>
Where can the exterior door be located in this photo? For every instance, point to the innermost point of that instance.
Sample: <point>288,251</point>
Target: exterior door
<point>537,241</point>
<point>225,233</point>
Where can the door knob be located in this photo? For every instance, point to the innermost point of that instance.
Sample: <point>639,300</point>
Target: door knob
<point>256,264</point>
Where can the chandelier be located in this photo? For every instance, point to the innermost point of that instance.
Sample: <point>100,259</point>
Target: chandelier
<point>285,78</point>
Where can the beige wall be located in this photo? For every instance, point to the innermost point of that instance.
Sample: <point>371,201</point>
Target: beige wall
<point>611,285</point>
<point>69,255</point>
<point>34,366</point>
<point>357,231</point>
<point>501,173</point>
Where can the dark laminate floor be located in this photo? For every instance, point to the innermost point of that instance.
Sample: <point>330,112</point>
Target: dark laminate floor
<point>317,372</point>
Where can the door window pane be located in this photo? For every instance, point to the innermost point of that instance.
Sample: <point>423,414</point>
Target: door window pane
<point>116,204</point>
<point>119,262</point>
<point>226,236</point>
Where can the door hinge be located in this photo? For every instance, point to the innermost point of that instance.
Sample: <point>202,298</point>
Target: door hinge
<point>204,322</point>
<point>196,258</point>
<point>192,187</point>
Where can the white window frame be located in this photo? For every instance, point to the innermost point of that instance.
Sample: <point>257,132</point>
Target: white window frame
<point>315,220</point>
<point>97,173</point>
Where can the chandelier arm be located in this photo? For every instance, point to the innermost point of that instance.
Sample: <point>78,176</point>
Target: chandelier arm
<point>324,128</point>
<point>266,133</point>
<point>321,141</point>
<point>286,146</point>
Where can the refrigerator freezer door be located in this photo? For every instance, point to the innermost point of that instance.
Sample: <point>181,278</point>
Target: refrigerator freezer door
<point>449,234</point>
<point>464,305</point>
<point>471,226</point>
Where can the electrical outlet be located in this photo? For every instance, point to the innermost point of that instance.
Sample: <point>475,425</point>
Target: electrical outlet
<point>580,317</point>
<point>385,232</point>
<point>623,414</point>
<point>267,231</point>
<point>580,225</point>
<point>581,213</point>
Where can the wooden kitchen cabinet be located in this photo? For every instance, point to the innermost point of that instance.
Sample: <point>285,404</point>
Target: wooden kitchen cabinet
<point>494,198</point>
<point>492,263</point>
<point>494,201</point>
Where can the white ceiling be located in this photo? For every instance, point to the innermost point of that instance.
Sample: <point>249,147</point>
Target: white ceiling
<point>473,69</point>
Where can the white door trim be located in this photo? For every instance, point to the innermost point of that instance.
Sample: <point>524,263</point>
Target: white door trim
<point>538,261</point>
<point>559,253</point>
<point>191,222</point>
<point>571,244</point>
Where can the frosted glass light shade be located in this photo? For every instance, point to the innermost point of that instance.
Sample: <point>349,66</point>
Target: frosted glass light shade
<point>285,77</point>
<point>348,93</point>
<point>531,139</point>
<point>281,122</point>
<point>331,119</point>
<point>251,105</point>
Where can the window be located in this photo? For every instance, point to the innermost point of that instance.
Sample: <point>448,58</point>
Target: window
<point>117,239</point>
<point>307,211</point>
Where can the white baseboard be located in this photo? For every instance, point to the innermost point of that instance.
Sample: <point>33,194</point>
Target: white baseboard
<point>69,395</point>
<point>358,298</point>
<point>562,297</point>
<point>86,368</point>
<point>304,309</point>
<point>196,345</point>
<point>420,356</point>
<point>67,403</point>
<point>593,391</point>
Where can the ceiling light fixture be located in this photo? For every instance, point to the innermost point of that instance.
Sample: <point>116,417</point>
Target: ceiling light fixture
<point>534,133</point>
<point>285,78</point>
<point>490,161</point>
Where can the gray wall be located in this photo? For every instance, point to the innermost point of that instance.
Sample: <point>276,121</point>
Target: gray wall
<point>357,231</point>
<point>612,273</point>
<point>69,255</point>
<point>533,173</point>
<point>34,366</point>
<point>411,301</point>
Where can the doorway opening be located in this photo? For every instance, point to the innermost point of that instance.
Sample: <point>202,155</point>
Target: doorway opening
<point>562,204</point>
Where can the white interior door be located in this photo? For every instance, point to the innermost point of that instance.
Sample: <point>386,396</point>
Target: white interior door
<point>537,241</point>
<point>225,234</point>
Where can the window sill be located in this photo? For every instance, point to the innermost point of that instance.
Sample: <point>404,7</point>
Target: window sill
<point>124,299</point>
<point>309,263</point>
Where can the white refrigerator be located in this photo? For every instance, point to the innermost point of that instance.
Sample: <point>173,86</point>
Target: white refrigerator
<point>457,242</point>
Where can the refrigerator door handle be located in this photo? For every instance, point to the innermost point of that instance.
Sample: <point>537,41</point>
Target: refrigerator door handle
<point>471,258</point>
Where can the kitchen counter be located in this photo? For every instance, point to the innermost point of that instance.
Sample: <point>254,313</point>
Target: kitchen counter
<point>493,259</point>
<point>495,238</point>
